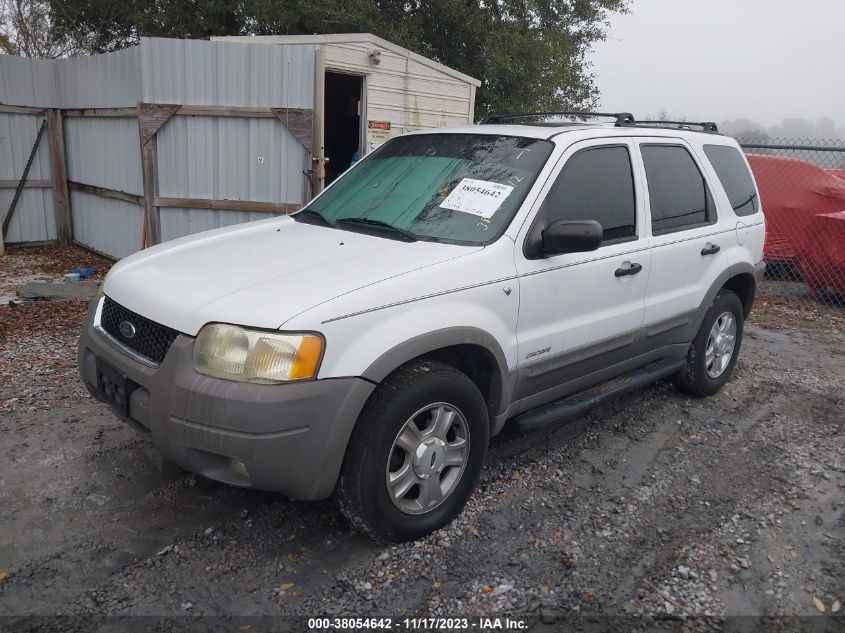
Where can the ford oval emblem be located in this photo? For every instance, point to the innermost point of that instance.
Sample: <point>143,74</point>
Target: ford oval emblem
<point>127,329</point>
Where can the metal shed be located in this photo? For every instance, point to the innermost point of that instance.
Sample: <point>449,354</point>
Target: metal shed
<point>365,82</point>
<point>173,137</point>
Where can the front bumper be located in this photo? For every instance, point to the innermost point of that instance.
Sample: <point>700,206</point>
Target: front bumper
<point>291,437</point>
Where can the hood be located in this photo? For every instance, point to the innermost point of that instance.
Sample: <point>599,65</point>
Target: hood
<point>261,274</point>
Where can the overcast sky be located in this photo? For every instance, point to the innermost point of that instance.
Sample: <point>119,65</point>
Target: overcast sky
<point>765,60</point>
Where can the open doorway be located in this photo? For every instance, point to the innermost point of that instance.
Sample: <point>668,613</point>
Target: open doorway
<point>342,122</point>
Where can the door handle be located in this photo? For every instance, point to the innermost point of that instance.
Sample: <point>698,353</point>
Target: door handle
<point>631,269</point>
<point>710,249</point>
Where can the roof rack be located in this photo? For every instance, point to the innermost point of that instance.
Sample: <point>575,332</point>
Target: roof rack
<point>706,126</point>
<point>622,118</point>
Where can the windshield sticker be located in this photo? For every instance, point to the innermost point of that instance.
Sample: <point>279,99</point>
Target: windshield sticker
<point>478,197</point>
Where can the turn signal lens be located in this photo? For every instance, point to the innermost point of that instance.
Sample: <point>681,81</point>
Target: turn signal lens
<point>307,358</point>
<point>234,353</point>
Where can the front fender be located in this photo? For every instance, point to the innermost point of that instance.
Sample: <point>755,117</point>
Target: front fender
<point>374,343</point>
<point>431,341</point>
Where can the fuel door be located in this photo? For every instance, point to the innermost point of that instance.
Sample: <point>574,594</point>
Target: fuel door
<point>742,233</point>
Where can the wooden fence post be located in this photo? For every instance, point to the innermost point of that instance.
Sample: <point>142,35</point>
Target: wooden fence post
<point>151,116</point>
<point>149,173</point>
<point>58,175</point>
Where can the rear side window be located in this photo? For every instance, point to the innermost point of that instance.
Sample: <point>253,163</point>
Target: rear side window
<point>735,177</point>
<point>680,198</point>
<point>596,184</point>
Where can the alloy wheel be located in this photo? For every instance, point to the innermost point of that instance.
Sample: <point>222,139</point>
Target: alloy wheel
<point>427,458</point>
<point>720,345</point>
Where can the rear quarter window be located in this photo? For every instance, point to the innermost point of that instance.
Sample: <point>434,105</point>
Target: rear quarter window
<point>735,177</point>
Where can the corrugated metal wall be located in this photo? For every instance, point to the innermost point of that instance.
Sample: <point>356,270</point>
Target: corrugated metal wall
<point>224,73</point>
<point>100,81</point>
<point>105,152</point>
<point>99,151</point>
<point>231,158</point>
<point>34,219</point>
<point>225,158</point>
<point>26,82</point>
<point>110,226</point>
<point>198,156</point>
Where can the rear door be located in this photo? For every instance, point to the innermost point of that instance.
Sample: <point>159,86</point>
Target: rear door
<point>582,312</point>
<point>740,198</point>
<point>688,245</point>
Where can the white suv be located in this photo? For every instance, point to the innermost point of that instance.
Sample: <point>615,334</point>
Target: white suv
<point>451,282</point>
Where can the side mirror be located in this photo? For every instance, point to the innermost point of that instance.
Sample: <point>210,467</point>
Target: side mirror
<point>571,236</point>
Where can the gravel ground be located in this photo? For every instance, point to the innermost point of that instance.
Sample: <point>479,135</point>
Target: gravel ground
<point>653,505</point>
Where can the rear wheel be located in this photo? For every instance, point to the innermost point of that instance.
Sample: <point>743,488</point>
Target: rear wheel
<point>714,351</point>
<point>416,453</point>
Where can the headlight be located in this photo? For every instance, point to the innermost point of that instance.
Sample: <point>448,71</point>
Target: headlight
<point>234,353</point>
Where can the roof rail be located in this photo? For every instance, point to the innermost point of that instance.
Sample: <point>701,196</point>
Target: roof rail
<point>623,119</point>
<point>706,126</point>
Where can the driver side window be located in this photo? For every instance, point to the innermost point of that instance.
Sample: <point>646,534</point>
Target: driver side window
<point>596,184</point>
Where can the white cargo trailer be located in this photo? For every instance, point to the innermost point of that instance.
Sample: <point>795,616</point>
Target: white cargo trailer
<point>367,90</point>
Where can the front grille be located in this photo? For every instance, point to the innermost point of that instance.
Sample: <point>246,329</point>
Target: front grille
<point>150,340</point>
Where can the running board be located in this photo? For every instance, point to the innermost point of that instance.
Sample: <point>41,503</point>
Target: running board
<point>576,404</point>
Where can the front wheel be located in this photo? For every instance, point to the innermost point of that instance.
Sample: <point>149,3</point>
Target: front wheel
<point>416,453</point>
<point>715,348</point>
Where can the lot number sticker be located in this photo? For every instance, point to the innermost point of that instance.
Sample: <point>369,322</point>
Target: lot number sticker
<point>478,197</point>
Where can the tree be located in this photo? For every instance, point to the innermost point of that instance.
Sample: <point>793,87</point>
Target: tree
<point>26,30</point>
<point>528,54</point>
<point>664,115</point>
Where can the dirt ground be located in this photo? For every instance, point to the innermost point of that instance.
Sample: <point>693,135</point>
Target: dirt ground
<point>654,505</point>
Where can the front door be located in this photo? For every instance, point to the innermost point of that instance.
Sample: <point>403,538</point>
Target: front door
<point>583,312</point>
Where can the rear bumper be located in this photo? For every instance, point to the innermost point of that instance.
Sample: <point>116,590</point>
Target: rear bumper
<point>291,438</point>
<point>759,271</point>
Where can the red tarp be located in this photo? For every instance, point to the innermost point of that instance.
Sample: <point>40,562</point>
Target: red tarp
<point>821,257</point>
<point>839,173</point>
<point>792,192</point>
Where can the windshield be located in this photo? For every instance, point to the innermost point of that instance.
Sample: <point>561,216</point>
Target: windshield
<point>456,188</point>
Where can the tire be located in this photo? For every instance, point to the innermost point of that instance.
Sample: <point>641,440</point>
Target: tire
<point>416,394</point>
<point>696,378</point>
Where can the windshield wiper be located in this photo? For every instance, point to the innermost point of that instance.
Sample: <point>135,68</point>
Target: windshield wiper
<point>312,214</point>
<point>406,235</point>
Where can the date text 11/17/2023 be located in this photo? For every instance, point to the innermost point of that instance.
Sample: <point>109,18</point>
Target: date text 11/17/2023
<point>481,624</point>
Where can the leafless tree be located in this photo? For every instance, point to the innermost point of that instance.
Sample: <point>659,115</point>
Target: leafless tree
<point>25,29</point>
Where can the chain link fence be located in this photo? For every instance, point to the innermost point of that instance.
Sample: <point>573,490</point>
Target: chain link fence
<point>802,190</point>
